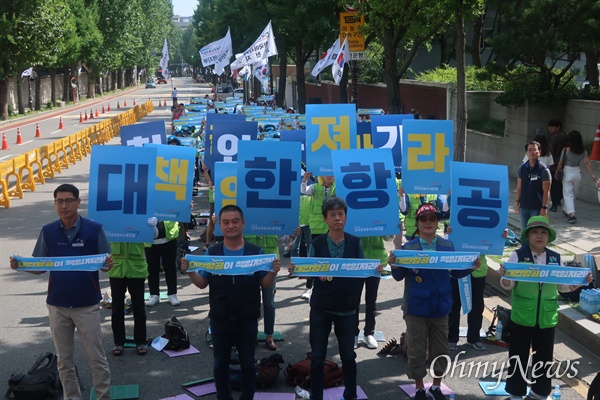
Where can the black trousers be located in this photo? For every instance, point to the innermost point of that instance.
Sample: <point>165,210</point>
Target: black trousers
<point>371,286</point>
<point>556,189</point>
<point>474,318</point>
<point>167,252</point>
<point>118,287</point>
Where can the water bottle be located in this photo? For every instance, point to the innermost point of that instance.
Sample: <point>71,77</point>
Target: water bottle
<point>499,330</point>
<point>452,396</point>
<point>302,393</point>
<point>556,393</point>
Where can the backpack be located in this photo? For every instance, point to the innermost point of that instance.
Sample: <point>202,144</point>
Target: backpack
<point>40,383</point>
<point>299,374</point>
<point>268,370</point>
<point>573,296</point>
<point>501,314</point>
<point>176,335</point>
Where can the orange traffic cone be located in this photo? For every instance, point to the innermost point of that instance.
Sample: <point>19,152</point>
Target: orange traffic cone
<point>96,112</point>
<point>80,117</point>
<point>85,116</point>
<point>19,137</point>
<point>91,113</point>
<point>118,106</point>
<point>108,107</point>
<point>159,102</point>
<point>4,142</point>
<point>596,148</point>
<point>103,109</point>
<point>134,102</point>
<point>60,123</point>
<point>38,133</point>
<point>125,103</point>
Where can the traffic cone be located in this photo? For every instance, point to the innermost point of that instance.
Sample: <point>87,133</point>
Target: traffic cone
<point>19,137</point>
<point>85,116</point>
<point>60,123</point>
<point>159,102</point>
<point>118,106</point>
<point>108,107</point>
<point>4,142</point>
<point>103,109</point>
<point>134,102</point>
<point>91,113</point>
<point>596,147</point>
<point>38,134</point>
<point>96,112</point>
<point>125,103</point>
<point>80,117</point>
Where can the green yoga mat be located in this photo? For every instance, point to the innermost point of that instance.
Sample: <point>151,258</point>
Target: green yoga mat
<point>125,392</point>
<point>161,295</point>
<point>277,336</point>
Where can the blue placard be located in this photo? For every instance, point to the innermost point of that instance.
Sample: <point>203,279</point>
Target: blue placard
<point>335,267</point>
<point>466,294</point>
<point>74,263</point>
<point>328,127</point>
<point>545,274</point>
<point>137,135</point>
<point>225,139</point>
<point>225,177</point>
<point>422,259</point>
<point>363,135</point>
<point>386,131</point>
<point>121,194</point>
<point>268,188</point>
<point>174,182</point>
<point>212,120</point>
<point>365,180</point>
<point>231,265</point>
<point>427,150</point>
<point>479,207</point>
<point>296,136</point>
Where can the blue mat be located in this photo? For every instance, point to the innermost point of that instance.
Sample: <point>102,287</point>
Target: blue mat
<point>493,388</point>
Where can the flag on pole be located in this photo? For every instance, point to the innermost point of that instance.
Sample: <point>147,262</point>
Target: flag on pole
<point>164,61</point>
<point>27,72</point>
<point>327,58</point>
<point>261,70</point>
<point>217,53</point>
<point>262,48</point>
<point>343,57</point>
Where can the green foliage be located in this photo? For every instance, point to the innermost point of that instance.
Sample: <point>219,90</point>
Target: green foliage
<point>49,105</point>
<point>479,79</point>
<point>493,126</point>
<point>369,69</point>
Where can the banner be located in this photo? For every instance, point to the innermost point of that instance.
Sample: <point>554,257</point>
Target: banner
<point>338,65</point>
<point>479,207</point>
<point>225,177</point>
<point>434,259</point>
<point>268,190</point>
<point>364,179</point>
<point>545,274</point>
<point>224,138</point>
<point>466,294</point>
<point>298,135</point>
<point>427,150</point>
<point>174,182</point>
<point>335,267</point>
<point>327,58</point>
<point>328,127</point>
<point>164,61</point>
<point>261,70</point>
<point>217,53</point>
<point>262,48</point>
<point>74,263</point>
<point>139,134</point>
<point>386,132</point>
<point>121,192</point>
<point>230,265</point>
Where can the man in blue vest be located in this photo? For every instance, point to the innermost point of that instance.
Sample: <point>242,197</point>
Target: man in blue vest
<point>533,186</point>
<point>234,304</point>
<point>73,297</point>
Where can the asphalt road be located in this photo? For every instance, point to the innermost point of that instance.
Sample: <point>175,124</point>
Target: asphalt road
<point>24,331</point>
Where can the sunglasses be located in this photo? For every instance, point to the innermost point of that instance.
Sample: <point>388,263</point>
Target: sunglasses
<point>425,218</point>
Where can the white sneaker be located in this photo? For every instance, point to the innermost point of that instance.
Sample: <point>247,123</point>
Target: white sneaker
<point>152,301</point>
<point>371,342</point>
<point>174,300</point>
<point>356,342</point>
<point>306,295</point>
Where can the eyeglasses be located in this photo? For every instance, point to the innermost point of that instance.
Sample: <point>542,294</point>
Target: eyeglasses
<point>425,218</point>
<point>61,202</point>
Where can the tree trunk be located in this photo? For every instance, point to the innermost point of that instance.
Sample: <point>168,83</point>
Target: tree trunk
<point>282,79</point>
<point>443,40</point>
<point>91,85</point>
<point>38,92</point>
<point>344,85</point>
<point>591,66</point>
<point>460,142</point>
<point>300,79</point>
<point>66,86</point>
<point>475,40</point>
<point>20,104</point>
<point>389,72</point>
<point>53,86</point>
<point>4,99</point>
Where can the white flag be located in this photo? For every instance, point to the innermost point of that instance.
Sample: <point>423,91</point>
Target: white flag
<point>217,53</point>
<point>343,57</point>
<point>245,72</point>
<point>27,72</point>
<point>164,61</point>
<point>262,48</point>
<point>328,58</point>
<point>261,70</point>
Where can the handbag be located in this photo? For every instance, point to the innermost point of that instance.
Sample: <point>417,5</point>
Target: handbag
<point>559,174</point>
<point>176,335</point>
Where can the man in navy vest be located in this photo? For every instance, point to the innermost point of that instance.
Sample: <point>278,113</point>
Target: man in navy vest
<point>533,186</point>
<point>234,304</point>
<point>73,297</point>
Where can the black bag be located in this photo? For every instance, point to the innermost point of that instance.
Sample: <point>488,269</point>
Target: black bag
<point>574,295</point>
<point>268,370</point>
<point>176,334</point>
<point>40,383</point>
<point>501,314</point>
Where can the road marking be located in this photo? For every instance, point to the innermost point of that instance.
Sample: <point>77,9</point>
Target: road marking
<point>52,133</point>
<point>9,155</point>
<point>29,141</point>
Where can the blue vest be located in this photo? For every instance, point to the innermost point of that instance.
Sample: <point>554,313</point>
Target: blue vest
<point>531,185</point>
<point>234,297</point>
<point>338,294</point>
<point>77,288</point>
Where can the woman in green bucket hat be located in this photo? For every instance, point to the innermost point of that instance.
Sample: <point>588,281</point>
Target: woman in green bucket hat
<point>534,313</point>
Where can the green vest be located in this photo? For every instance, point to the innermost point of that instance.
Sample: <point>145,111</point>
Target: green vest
<point>410,219</point>
<point>129,260</point>
<point>305,209</point>
<point>267,242</point>
<point>315,219</point>
<point>374,248</point>
<point>171,230</point>
<point>481,271</point>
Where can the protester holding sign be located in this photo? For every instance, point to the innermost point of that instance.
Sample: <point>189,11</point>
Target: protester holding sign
<point>234,304</point>
<point>73,296</point>
<point>534,312</point>
<point>334,300</point>
<point>426,304</point>
<point>410,203</point>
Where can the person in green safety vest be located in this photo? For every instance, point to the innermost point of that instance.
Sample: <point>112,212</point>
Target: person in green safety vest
<point>410,203</point>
